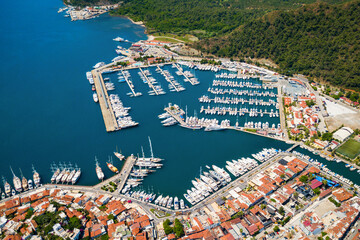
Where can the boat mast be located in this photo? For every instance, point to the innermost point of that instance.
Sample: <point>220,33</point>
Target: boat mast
<point>152,154</point>
<point>143,155</point>
<point>22,176</point>
<point>12,171</point>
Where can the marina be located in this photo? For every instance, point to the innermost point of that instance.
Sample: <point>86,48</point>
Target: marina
<point>74,126</point>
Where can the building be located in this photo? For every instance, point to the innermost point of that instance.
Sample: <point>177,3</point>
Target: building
<point>343,133</point>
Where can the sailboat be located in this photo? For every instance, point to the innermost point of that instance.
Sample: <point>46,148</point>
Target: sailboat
<point>24,181</point>
<point>16,181</point>
<point>111,166</point>
<point>119,155</point>
<point>36,177</point>
<point>6,187</point>
<point>98,170</point>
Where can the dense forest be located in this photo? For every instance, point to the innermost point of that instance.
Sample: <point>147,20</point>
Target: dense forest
<point>83,3</point>
<point>318,40</point>
<point>202,18</point>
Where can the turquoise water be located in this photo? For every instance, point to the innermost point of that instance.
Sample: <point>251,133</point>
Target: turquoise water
<point>48,114</point>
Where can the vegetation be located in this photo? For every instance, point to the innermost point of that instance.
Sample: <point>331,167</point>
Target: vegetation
<point>319,40</point>
<point>73,223</point>
<point>304,179</point>
<point>237,215</point>
<point>178,228</point>
<point>83,3</point>
<point>167,228</point>
<point>350,149</point>
<point>46,222</point>
<point>337,204</point>
<point>276,228</point>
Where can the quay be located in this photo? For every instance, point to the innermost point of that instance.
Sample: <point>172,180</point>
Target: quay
<point>167,78</point>
<point>149,82</point>
<point>104,101</point>
<point>182,73</point>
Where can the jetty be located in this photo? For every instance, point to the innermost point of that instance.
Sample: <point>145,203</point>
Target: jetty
<point>104,101</point>
<point>131,86</point>
<point>149,82</point>
<point>168,79</point>
<point>176,113</point>
<point>182,73</point>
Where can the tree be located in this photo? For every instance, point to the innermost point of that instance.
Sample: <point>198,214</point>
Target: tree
<point>276,228</point>
<point>327,136</point>
<point>178,228</point>
<point>29,213</point>
<point>304,179</point>
<point>281,211</point>
<point>74,222</point>
<point>167,228</point>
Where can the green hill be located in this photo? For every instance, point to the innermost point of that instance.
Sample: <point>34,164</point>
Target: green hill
<point>202,18</point>
<point>318,40</point>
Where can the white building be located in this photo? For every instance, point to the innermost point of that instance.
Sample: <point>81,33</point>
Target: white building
<point>343,133</point>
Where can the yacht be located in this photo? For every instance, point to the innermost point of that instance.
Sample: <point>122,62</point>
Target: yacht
<point>30,183</point>
<point>99,172</point>
<point>118,39</point>
<point>95,97</point>
<point>99,64</point>
<point>119,156</point>
<point>16,181</point>
<point>36,177</point>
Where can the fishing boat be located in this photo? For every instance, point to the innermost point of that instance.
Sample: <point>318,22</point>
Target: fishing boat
<point>16,181</point>
<point>98,170</point>
<point>112,167</point>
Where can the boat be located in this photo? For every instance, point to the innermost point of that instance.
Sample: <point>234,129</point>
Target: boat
<point>99,64</point>
<point>36,177</point>
<point>214,127</point>
<point>182,204</point>
<point>13,193</point>
<point>76,176</point>
<point>119,156</point>
<point>54,176</point>
<point>99,171</point>
<point>24,182</point>
<point>112,167</point>
<point>95,97</point>
<point>118,39</point>
<point>6,187</point>
<point>16,181</point>
<point>176,203</point>
<point>30,183</point>
<point>3,195</point>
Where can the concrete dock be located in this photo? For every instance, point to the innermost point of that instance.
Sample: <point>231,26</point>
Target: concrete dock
<point>104,101</point>
<point>168,79</point>
<point>149,82</point>
<point>131,86</point>
<point>182,73</point>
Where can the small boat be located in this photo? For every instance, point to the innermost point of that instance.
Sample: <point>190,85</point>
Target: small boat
<point>30,183</point>
<point>95,97</point>
<point>13,193</point>
<point>119,156</point>
<point>112,167</point>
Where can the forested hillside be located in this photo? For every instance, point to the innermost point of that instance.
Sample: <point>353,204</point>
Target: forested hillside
<point>203,18</point>
<point>318,40</point>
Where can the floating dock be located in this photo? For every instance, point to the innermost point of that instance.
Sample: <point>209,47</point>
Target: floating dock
<point>129,83</point>
<point>182,73</point>
<point>168,79</point>
<point>104,101</point>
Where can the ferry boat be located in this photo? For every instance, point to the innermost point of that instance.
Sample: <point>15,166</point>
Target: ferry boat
<point>98,170</point>
<point>36,177</point>
<point>112,167</point>
<point>95,97</point>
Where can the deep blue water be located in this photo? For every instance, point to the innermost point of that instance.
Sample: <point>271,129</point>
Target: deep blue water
<point>48,114</point>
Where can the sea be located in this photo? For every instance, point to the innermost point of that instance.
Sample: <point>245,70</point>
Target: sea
<point>48,115</point>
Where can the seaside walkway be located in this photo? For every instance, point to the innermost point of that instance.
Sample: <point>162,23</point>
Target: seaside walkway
<point>104,101</point>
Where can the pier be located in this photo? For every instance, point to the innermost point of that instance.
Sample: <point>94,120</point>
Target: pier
<point>176,115</point>
<point>149,82</point>
<point>182,73</point>
<point>131,86</point>
<point>104,101</point>
<point>168,79</point>
<point>121,177</point>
